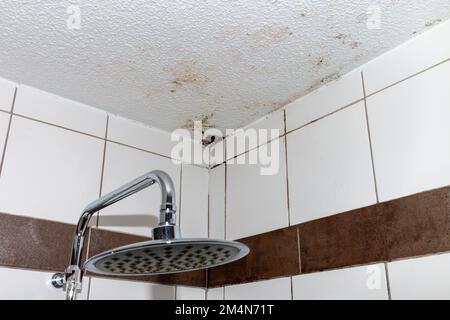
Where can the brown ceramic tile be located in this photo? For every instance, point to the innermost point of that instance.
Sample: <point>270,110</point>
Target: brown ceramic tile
<point>418,224</point>
<point>34,244</point>
<point>104,240</point>
<point>350,238</point>
<point>405,227</point>
<point>272,254</point>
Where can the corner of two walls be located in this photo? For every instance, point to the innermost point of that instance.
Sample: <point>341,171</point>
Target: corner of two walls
<point>376,134</point>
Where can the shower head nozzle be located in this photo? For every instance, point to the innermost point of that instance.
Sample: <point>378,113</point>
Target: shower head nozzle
<point>163,257</point>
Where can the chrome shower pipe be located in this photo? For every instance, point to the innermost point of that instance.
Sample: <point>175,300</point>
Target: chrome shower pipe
<point>166,230</point>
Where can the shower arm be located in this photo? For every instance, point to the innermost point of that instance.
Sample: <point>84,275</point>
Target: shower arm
<point>166,230</point>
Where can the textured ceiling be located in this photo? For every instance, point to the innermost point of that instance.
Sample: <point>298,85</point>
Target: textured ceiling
<point>229,62</point>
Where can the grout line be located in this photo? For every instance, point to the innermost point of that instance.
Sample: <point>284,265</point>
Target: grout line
<point>97,137</point>
<point>97,214</point>
<point>370,139</point>
<point>103,167</point>
<point>209,218</point>
<point>8,132</point>
<point>387,281</point>
<point>287,171</point>
<point>299,252</point>
<point>87,256</point>
<point>56,126</point>
<point>175,292</point>
<point>409,77</point>
<point>292,289</point>
<point>325,116</point>
<point>181,193</point>
<point>144,150</point>
<point>225,203</point>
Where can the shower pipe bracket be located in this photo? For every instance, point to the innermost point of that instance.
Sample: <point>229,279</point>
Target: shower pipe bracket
<point>167,229</point>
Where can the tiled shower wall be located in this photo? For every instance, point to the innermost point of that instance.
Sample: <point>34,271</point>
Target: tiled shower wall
<point>59,155</point>
<point>379,133</point>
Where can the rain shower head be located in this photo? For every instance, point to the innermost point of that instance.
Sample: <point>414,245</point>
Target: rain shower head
<point>166,253</point>
<point>163,257</point>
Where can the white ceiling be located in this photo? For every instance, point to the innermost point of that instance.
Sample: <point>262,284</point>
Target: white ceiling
<point>166,63</point>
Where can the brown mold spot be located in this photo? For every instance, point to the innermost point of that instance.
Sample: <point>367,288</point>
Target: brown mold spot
<point>205,120</point>
<point>432,23</point>
<point>187,74</point>
<point>340,36</point>
<point>323,81</point>
<point>271,32</point>
<point>355,44</point>
<point>427,25</point>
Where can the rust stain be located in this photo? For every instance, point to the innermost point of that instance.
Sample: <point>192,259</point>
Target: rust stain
<point>205,119</point>
<point>187,74</point>
<point>355,44</point>
<point>427,25</point>
<point>271,32</point>
<point>432,23</point>
<point>323,81</point>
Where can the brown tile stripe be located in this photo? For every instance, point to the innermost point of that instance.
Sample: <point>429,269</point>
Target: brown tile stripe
<point>406,227</point>
<point>411,226</point>
<point>31,243</point>
<point>270,256</point>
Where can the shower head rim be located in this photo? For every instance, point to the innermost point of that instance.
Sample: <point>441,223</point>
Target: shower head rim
<point>89,264</point>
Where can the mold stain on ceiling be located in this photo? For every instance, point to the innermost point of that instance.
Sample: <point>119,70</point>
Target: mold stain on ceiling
<point>168,63</point>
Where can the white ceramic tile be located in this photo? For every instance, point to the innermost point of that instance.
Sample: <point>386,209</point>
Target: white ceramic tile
<point>256,203</point>
<point>20,284</point>
<point>416,55</point>
<point>107,289</point>
<point>7,90</point>
<point>49,172</point>
<point>193,215</point>
<point>421,278</point>
<point>358,283</point>
<point>139,135</point>
<point>324,100</point>
<point>53,109</point>
<point>274,120</point>
<point>189,293</point>
<point>275,289</point>
<point>215,294</point>
<point>330,169</point>
<point>4,122</point>
<point>409,126</point>
<point>138,213</point>
<point>217,202</point>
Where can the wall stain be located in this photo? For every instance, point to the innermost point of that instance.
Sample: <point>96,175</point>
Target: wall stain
<point>271,32</point>
<point>205,119</point>
<point>187,74</point>
<point>427,25</point>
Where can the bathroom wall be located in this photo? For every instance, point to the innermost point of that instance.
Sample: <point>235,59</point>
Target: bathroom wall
<point>377,134</point>
<point>57,156</point>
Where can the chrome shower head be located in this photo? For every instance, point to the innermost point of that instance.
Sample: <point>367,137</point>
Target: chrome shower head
<point>166,253</point>
<point>164,257</point>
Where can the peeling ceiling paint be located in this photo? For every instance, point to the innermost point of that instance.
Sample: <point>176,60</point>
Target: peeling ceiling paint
<point>166,63</point>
